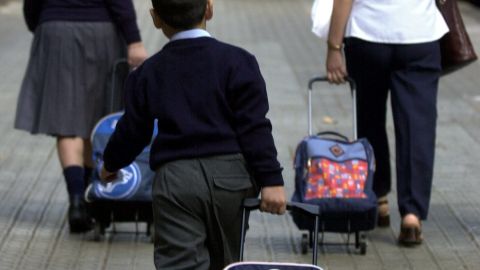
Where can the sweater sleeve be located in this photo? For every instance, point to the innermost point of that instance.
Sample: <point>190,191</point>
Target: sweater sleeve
<point>134,130</point>
<point>31,13</point>
<point>123,14</point>
<point>253,128</point>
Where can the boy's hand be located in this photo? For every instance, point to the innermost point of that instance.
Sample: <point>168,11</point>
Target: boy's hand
<point>273,200</point>
<point>107,176</point>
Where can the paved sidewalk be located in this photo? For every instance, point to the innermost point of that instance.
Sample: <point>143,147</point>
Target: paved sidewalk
<point>33,201</point>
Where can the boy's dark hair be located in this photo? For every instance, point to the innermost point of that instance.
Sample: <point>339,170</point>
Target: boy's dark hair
<point>180,14</point>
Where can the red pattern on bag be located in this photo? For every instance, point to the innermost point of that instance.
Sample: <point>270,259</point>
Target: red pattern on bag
<point>330,179</point>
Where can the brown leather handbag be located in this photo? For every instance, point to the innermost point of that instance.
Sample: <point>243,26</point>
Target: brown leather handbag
<point>456,48</point>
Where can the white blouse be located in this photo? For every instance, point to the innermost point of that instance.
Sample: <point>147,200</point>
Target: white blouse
<point>396,21</point>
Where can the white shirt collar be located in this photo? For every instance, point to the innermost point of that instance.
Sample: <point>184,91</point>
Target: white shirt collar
<point>192,33</point>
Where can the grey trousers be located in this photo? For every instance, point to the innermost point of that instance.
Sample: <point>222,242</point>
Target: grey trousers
<point>197,211</point>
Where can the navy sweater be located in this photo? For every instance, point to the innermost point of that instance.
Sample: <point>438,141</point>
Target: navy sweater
<point>209,98</point>
<point>121,12</point>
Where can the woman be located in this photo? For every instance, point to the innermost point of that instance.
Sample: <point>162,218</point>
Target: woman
<point>393,46</point>
<point>75,45</point>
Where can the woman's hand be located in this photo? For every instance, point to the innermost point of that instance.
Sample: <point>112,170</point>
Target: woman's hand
<point>136,54</point>
<point>336,69</point>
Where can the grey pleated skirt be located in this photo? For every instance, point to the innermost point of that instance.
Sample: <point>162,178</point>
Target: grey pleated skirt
<point>69,71</point>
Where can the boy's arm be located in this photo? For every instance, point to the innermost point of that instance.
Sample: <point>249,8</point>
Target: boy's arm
<point>254,131</point>
<point>133,131</point>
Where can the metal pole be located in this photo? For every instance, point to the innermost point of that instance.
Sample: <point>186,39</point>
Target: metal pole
<point>353,88</point>
<point>310,132</point>
<point>242,234</point>
<point>315,241</point>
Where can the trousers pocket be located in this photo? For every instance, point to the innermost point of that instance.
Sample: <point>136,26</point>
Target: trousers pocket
<point>232,182</point>
<point>229,192</point>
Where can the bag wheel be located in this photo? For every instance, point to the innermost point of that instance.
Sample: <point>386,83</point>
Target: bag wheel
<point>305,243</point>
<point>98,231</point>
<point>151,231</point>
<point>363,248</point>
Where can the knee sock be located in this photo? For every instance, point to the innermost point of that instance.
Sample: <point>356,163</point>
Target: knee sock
<point>87,176</point>
<point>74,178</point>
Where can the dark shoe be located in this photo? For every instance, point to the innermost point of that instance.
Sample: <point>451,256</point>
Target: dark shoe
<point>383,218</point>
<point>410,234</point>
<point>78,217</point>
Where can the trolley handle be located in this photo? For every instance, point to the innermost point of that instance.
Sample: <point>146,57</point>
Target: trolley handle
<point>333,133</point>
<point>325,79</point>
<point>353,88</point>
<point>250,204</point>
<point>117,65</point>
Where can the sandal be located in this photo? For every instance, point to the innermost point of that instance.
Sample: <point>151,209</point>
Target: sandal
<point>410,234</point>
<point>383,218</point>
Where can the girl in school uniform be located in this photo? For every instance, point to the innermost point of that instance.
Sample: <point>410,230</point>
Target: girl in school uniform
<point>74,47</point>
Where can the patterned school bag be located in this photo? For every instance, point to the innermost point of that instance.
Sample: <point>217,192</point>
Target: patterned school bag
<point>336,174</point>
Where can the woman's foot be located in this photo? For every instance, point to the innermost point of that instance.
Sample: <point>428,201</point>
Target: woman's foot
<point>383,219</point>
<point>410,231</point>
<point>78,218</point>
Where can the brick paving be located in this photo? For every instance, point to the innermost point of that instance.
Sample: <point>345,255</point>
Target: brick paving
<point>33,202</point>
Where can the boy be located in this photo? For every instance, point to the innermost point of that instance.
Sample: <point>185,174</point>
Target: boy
<point>213,139</point>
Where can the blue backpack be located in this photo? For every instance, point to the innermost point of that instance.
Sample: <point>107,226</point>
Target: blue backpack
<point>134,181</point>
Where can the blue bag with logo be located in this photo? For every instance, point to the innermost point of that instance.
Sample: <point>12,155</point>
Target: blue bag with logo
<point>126,199</point>
<point>134,181</point>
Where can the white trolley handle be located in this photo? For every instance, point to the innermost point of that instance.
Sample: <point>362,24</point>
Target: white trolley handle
<point>353,89</point>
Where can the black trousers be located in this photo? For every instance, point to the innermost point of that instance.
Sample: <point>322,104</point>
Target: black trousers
<point>197,212</point>
<point>410,74</point>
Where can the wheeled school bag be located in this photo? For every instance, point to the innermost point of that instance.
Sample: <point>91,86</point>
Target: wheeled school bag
<point>336,174</point>
<point>128,198</point>
<point>251,204</point>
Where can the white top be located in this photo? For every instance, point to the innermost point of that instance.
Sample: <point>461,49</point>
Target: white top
<point>396,21</point>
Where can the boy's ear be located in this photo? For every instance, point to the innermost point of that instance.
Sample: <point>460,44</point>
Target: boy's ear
<point>156,19</point>
<point>209,10</point>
